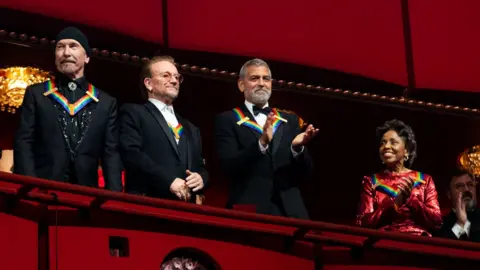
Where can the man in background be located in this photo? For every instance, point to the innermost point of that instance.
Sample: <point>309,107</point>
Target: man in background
<point>463,222</point>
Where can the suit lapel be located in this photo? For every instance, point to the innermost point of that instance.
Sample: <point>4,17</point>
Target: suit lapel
<point>474,218</point>
<point>163,124</point>
<point>59,114</point>
<point>247,113</point>
<point>188,139</point>
<point>277,138</point>
<point>475,226</point>
<point>87,114</point>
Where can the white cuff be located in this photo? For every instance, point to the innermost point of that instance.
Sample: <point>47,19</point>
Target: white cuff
<point>458,230</point>
<point>295,153</point>
<point>263,149</point>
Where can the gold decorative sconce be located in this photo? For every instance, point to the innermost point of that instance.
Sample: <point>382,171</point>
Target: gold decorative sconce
<point>14,81</point>
<point>469,160</point>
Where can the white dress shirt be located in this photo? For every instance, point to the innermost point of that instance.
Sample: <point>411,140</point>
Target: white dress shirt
<point>261,119</point>
<point>167,112</point>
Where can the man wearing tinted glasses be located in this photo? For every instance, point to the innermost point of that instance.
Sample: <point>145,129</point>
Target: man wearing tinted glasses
<point>463,222</point>
<point>161,151</point>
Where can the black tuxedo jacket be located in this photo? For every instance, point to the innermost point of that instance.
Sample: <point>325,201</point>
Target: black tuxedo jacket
<point>42,147</point>
<point>150,153</point>
<point>450,220</point>
<point>270,181</point>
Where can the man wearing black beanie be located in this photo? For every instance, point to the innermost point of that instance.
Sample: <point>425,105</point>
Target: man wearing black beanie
<point>67,124</point>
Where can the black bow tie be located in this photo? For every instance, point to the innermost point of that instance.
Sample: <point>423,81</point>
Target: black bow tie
<point>265,110</point>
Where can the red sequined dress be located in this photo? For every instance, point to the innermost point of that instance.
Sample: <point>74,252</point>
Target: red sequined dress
<point>420,214</point>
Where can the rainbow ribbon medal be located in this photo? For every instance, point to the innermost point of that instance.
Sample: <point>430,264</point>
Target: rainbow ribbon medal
<point>393,191</point>
<point>72,109</point>
<point>245,121</point>
<point>177,131</point>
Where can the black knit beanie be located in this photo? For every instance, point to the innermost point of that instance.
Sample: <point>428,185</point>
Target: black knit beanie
<point>75,34</point>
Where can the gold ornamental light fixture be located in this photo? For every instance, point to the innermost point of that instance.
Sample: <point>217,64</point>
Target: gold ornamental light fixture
<point>469,160</point>
<point>14,81</point>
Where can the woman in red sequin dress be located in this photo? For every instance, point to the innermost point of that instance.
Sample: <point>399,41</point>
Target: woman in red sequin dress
<point>399,199</point>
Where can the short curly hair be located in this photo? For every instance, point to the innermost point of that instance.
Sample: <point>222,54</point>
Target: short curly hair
<point>178,263</point>
<point>188,258</point>
<point>405,132</point>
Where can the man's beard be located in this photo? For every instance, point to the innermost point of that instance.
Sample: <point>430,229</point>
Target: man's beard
<point>260,96</point>
<point>470,203</point>
<point>68,68</point>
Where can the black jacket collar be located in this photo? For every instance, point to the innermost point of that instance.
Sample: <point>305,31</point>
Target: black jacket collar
<point>63,81</point>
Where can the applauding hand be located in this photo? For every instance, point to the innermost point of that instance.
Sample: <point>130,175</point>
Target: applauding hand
<point>305,137</point>
<point>405,187</point>
<point>267,134</point>
<point>460,210</point>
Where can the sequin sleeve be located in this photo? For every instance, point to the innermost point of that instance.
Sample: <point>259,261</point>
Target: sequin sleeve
<point>426,212</point>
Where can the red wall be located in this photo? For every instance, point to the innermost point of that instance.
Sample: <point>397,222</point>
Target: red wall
<point>356,37</point>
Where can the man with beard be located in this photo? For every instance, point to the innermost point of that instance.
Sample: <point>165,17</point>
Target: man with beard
<point>161,151</point>
<point>67,124</point>
<point>263,149</point>
<point>464,220</point>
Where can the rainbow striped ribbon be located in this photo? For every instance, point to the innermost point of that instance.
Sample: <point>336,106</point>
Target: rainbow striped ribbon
<point>177,131</point>
<point>393,191</point>
<point>243,120</point>
<point>72,109</point>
